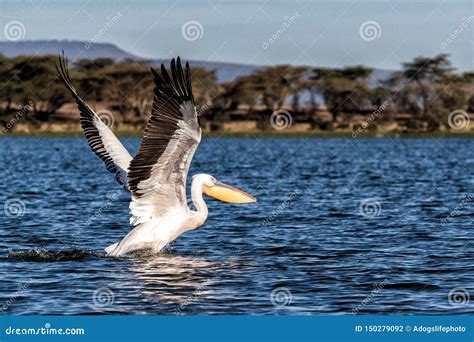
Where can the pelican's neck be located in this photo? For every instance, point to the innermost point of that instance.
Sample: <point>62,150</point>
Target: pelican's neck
<point>198,201</point>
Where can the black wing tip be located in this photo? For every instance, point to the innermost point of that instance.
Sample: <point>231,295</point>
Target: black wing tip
<point>174,81</point>
<point>62,59</point>
<point>163,70</point>
<point>154,73</point>
<point>174,64</point>
<point>62,69</point>
<point>179,63</point>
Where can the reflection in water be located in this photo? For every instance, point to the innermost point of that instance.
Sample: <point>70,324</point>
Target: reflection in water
<point>173,279</point>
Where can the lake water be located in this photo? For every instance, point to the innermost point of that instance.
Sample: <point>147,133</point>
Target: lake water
<point>341,226</point>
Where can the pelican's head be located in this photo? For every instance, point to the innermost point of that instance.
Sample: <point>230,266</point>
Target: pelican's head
<point>223,192</point>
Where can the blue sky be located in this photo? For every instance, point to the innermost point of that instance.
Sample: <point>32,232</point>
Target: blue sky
<point>323,33</point>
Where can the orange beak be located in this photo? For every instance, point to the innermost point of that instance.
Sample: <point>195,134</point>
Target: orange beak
<point>229,194</point>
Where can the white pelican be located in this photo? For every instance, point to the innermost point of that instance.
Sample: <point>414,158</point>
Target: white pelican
<point>156,177</point>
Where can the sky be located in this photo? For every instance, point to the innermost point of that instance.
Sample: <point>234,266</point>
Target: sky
<point>377,33</point>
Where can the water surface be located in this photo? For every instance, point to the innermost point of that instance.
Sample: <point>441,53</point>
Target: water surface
<point>341,226</point>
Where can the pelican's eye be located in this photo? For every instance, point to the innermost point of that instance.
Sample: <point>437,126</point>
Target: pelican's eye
<point>213,180</point>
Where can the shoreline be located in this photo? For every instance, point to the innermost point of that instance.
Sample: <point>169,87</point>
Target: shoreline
<point>262,134</point>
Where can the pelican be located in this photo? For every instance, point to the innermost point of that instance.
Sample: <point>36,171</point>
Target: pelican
<point>156,177</point>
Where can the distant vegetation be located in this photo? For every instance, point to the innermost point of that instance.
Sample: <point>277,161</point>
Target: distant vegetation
<point>419,98</point>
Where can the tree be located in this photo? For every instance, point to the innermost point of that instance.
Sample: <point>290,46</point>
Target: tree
<point>85,65</point>
<point>314,85</point>
<point>426,71</point>
<point>129,86</point>
<point>345,89</point>
<point>10,90</point>
<point>36,76</point>
<point>468,77</point>
<point>421,86</point>
<point>205,87</point>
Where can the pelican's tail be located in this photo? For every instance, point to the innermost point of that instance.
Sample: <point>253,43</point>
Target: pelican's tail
<point>109,249</point>
<point>139,238</point>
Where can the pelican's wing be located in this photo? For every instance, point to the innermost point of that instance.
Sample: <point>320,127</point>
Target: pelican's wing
<point>157,175</point>
<point>100,138</point>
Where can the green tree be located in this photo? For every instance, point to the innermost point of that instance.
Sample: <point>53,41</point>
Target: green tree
<point>85,65</point>
<point>345,89</point>
<point>36,75</point>
<point>423,88</point>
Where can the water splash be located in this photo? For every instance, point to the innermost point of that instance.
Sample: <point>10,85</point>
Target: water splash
<point>45,255</point>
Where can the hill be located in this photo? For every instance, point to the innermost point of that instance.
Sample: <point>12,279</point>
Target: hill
<point>75,50</point>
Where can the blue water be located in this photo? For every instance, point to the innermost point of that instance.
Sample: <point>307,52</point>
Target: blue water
<point>341,226</point>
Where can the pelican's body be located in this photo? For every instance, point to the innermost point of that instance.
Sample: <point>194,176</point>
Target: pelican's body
<point>156,234</point>
<point>156,176</point>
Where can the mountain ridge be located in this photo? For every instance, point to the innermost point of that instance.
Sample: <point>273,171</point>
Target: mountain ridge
<point>77,49</point>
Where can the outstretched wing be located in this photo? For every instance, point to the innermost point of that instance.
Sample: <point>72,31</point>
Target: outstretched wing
<point>157,175</point>
<point>100,138</point>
